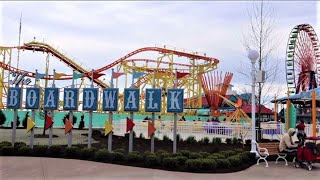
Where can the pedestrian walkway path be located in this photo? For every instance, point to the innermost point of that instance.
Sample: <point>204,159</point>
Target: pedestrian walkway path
<point>50,168</point>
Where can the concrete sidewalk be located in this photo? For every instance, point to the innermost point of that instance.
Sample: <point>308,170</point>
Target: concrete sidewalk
<point>21,168</point>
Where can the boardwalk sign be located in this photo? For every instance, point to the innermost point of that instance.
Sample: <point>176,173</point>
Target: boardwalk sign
<point>110,99</point>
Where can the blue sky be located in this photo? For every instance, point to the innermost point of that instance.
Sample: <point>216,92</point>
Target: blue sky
<point>98,33</point>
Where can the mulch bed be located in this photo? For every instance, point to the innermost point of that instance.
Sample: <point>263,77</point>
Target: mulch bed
<point>143,145</point>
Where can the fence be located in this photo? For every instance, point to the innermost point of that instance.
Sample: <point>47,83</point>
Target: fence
<point>203,129</point>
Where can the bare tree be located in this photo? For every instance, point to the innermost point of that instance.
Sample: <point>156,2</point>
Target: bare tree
<point>262,37</point>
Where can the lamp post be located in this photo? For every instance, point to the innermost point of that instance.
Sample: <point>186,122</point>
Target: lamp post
<point>253,56</point>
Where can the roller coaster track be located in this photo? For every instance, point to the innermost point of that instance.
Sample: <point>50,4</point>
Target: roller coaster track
<point>161,50</point>
<point>43,47</point>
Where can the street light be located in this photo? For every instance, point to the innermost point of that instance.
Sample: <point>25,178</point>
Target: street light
<point>253,56</point>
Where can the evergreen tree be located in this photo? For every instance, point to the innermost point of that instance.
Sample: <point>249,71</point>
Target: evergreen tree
<point>67,117</point>
<point>25,121</point>
<point>2,118</point>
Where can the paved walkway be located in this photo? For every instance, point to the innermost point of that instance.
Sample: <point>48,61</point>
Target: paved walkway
<point>50,168</point>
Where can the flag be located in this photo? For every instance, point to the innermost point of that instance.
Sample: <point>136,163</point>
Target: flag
<point>151,129</point>
<point>58,75</point>
<point>96,75</point>
<point>181,74</point>
<point>68,126</point>
<point>77,75</point>
<point>137,74</point>
<point>115,75</point>
<point>49,122</point>
<point>108,128</point>
<point>39,76</point>
<point>130,124</point>
<point>30,124</point>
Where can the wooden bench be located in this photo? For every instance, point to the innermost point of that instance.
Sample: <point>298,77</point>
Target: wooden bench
<point>266,149</point>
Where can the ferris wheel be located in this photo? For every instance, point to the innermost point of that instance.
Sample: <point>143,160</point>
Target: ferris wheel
<point>302,59</point>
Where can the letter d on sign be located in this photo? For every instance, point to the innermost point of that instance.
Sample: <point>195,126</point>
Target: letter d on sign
<point>90,99</point>
<point>14,98</point>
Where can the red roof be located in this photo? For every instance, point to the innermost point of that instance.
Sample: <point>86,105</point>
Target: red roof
<point>264,110</point>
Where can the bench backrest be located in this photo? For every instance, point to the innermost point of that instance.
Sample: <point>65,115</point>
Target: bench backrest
<point>273,148</point>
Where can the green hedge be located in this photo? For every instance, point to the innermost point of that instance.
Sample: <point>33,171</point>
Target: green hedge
<point>184,160</point>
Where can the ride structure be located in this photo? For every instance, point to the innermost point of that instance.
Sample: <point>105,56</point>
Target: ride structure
<point>302,59</point>
<point>215,87</point>
<point>162,71</point>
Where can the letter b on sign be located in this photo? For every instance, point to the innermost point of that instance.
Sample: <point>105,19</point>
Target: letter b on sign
<point>14,98</point>
<point>175,100</point>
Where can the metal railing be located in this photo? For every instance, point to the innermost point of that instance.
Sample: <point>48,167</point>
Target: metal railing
<point>203,129</point>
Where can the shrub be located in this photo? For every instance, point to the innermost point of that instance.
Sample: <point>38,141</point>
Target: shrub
<point>223,163</point>
<point>228,141</point>
<point>5,143</point>
<point>216,156</point>
<point>55,150</point>
<point>156,138</point>
<point>181,160</point>
<point>193,164</point>
<point>205,140</point>
<point>248,141</point>
<point>238,150</point>
<point>135,157</point>
<point>103,155</point>
<point>121,150</point>
<point>81,123</point>
<point>39,150</point>
<point>118,156</point>
<point>7,150</point>
<point>205,154</point>
<point>141,136</point>
<point>128,134</point>
<point>170,162</point>
<point>185,153</point>
<point>19,144</point>
<point>194,155</point>
<point>179,138</point>
<point>209,164</point>
<point>228,153</point>
<point>234,160</point>
<point>161,151</point>
<point>244,156</point>
<point>25,120</point>
<point>24,150</point>
<point>67,116</point>
<point>166,138</point>
<point>152,160</point>
<point>147,153</point>
<point>216,140</point>
<point>176,154</point>
<point>72,152</point>
<point>164,155</point>
<point>18,122</point>
<point>2,118</point>
<point>191,140</point>
<point>234,140</point>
